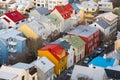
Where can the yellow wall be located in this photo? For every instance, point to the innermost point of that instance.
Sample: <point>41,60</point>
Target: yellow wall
<point>58,64</point>
<point>117,44</point>
<point>28,32</point>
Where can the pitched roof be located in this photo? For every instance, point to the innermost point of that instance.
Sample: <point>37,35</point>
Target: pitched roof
<point>65,10</point>
<point>64,44</point>
<point>7,75</point>
<point>43,64</point>
<point>102,23</point>
<point>75,41</point>
<point>84,30</point>
<point>102,62</point>
<point>42,10</point>
<point>15,16</point>
<point>87,72</point>
<point>21,65</point>
<point>55,50</point>
<point>75,7</point>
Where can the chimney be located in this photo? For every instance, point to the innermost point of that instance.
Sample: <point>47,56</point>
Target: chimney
<point>104,56</point>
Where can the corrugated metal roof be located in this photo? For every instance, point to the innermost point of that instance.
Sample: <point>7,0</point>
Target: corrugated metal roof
<point>84,30</point>
<point>43,64</point>
<point>103,23</point>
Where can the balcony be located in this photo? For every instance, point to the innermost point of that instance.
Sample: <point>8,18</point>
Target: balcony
<point>12,50</point>
<point>12,43</point>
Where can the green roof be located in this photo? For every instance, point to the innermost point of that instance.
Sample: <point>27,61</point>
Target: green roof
<point>75,41</point>
<point>55,20</point>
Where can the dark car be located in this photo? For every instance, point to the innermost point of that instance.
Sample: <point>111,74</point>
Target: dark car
<point>100,50</point>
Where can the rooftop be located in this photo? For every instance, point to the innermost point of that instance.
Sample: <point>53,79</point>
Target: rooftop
<point>102,23</point>
<point>43,64</point>
<point>74,41</point>
<point>84,30</point>
<point>15,16</point>
<point>43,11</point>
<point>82,71</point>
<point>21,65</point>
<point>102,62</point>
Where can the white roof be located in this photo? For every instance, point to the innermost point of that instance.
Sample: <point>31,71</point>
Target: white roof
<point>44,64</point>
<point>11,70</point>
<point>117,67</point>
<point>80,71</point>
<point>108,16</point>
<point>21,65</point>
<point>7,76</point>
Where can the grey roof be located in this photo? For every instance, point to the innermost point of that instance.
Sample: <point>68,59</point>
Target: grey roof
<point>84,30</point>
<point>42,10</point>
<point>7,76</point>
<point>21,65</point>
<point>102,23</point>
<point>64,44</point>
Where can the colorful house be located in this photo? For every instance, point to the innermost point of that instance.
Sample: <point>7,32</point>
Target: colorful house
<point>106,24</point>
<point>67,16</point>
<point>90,35</point>
<point>30,69</point>
<point>68,48</point>
<point>13,19</point>
<point>11,41</point>
<point>56,55</point>
<point>90,9</point>
<point>88,73</point>
<point>78,46</point>
<point>103,62</point>
<point>34,30</point>
<point>45,69</point>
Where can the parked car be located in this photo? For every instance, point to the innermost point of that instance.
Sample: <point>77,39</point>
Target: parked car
<point>65,77</point>
<point>100,50</point>
<point>87,60</point>
<point>69,72</point>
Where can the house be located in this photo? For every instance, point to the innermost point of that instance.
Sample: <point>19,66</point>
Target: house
<point>4,4</point>
<point>50,4</point>
<point>105,6</point>
<point>56,55</point>
<point>22,6</point>
<point>113,72</point>
<point>106,24</point>
<point>103,62</point>
<point>68,48</point>
<point>90,9</point>
<point>13,19</point>
<point>90,35</point>
<point>67,17</point>
<point>29,68</point>
<point>11,41</point>
<point>45,68</point>
<point>38,12</point>
<point>10,73</point>
<point>88,73</point>
<point>34,30</point>
<point>78,46</point>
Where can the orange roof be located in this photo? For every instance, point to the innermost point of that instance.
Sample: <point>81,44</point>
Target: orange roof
<point>55,50</point>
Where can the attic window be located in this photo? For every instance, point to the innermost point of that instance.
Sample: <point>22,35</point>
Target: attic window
<point>95,25</point>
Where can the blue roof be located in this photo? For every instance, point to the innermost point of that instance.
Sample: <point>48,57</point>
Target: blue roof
<point>102,62</point>
<point>75,7</point>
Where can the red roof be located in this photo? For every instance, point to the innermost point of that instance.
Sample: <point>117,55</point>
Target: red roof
<point>65,10</point>
<point>54,49</point>
<point>6,19</point>
<point>15,16</point>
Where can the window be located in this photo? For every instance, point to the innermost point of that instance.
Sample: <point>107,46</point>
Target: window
<point>23,77</point>
<point>33,78</point>
<point>42,5</point>
<point>17,22</point>
<point>100,4</point>
<point>38,4</point>
<point>3,0</point>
